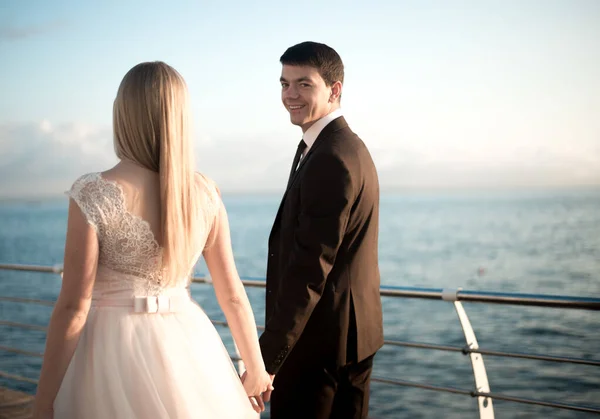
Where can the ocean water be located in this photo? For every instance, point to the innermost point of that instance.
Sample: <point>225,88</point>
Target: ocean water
<point>511,241</point>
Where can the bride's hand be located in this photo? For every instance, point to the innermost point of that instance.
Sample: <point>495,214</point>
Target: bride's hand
<point>255,384</point>
<point>43,413</point>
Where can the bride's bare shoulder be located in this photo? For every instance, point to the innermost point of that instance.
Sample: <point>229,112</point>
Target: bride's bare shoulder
<point>205,182</point>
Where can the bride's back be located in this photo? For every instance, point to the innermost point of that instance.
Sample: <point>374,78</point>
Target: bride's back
<point>141,193</point>
<point>124,206</point>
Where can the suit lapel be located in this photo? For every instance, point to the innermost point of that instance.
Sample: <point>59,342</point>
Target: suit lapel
<point>333,126</point>
<point>329,129</point>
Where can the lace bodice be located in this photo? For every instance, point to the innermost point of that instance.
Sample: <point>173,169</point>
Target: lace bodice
<point>127,246</point>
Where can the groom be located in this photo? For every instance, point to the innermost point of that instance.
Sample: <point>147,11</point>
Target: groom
<point>323,309</point>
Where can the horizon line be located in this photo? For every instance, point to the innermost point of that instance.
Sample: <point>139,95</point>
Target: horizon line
<point>384,191</point>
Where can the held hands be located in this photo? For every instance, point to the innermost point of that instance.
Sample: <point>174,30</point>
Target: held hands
<point>258,388</point>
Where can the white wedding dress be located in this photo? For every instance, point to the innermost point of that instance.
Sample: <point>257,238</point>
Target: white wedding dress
<point>147,350</point>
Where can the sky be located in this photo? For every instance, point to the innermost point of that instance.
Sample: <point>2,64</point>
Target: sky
<point>446,94</point>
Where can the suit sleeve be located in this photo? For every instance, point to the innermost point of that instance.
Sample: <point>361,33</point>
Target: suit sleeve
<point>326,198</point>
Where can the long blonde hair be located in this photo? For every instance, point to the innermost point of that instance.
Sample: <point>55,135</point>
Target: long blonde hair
<point>151,128</point>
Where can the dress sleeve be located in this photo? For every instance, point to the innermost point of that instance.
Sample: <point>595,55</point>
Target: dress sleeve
<point>83,192</point>
<point>211,204</point>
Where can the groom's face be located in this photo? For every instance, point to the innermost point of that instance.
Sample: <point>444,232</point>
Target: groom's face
<point>305,95</point>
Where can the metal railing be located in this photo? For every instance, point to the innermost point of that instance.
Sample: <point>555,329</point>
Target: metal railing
<point>482,391</point>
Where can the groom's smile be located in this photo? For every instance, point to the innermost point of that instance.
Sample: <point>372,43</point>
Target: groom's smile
<point>305,95</point>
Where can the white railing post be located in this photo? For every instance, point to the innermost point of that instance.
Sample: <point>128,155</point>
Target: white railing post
<point>486,408</point>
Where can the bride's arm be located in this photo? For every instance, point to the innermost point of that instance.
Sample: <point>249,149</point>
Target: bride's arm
<point>231,294</point>
<point>71,308</point>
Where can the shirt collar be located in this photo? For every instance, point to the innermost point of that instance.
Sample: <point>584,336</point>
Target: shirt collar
<point>311,134</point>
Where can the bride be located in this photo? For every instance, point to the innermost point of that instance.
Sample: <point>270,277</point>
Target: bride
<point>125,339</point>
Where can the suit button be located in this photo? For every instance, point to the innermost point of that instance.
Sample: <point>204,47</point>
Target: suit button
<point>271,255</point>
<point>277,362</point>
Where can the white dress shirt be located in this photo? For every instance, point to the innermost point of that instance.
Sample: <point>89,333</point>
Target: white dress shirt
<point>311,134</point>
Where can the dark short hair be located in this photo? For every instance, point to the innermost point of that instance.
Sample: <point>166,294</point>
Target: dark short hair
<point>320,56</point>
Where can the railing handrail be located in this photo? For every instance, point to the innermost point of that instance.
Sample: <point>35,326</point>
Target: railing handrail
<point>421,345</point>
<point>539,300</point>
<point>493,297</point>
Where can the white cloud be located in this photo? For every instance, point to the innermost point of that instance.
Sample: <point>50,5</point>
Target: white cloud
<point>14,33</point>
<point>44,159</point>
<point>41,159</point>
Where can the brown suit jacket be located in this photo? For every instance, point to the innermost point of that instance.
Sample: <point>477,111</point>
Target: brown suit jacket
<point>322,301</point>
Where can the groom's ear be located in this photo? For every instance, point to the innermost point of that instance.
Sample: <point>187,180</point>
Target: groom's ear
<point>336,92</point>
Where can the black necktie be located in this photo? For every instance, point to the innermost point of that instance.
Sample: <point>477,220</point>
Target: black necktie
<point>299,150</point>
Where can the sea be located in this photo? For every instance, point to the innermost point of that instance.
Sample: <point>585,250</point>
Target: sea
<point>522,241</point>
